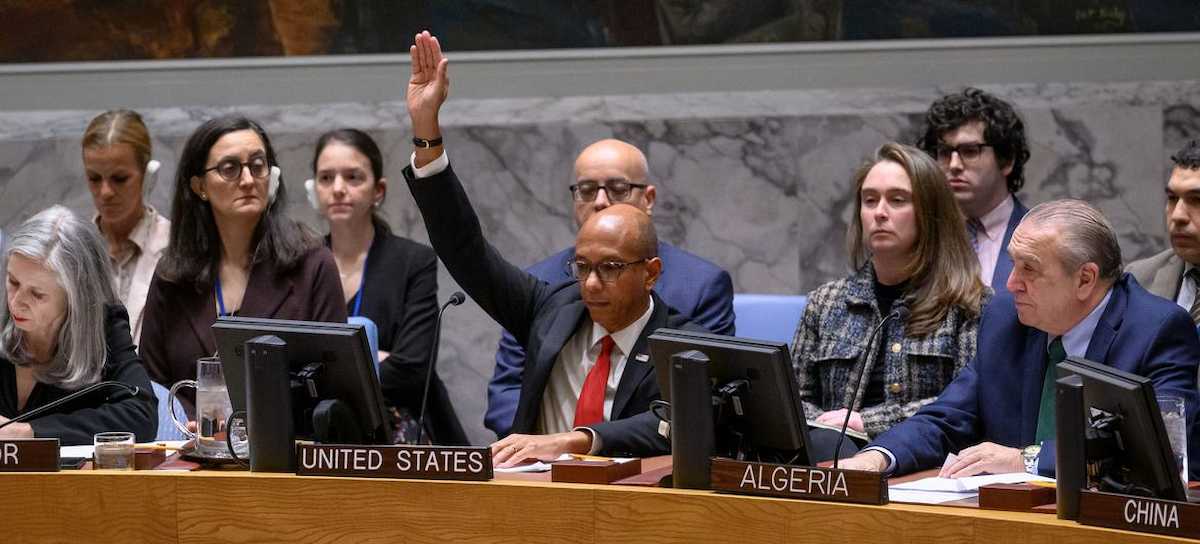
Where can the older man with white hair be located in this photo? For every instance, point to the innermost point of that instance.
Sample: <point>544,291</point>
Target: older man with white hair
<point>1068,298</point>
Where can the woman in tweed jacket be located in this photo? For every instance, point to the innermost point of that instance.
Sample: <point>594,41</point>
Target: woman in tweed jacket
<point>909,248</point>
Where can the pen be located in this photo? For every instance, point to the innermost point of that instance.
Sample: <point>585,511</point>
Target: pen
<point>582,457</point>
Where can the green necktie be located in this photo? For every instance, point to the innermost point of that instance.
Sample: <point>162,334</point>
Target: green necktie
<point>1045,428</point>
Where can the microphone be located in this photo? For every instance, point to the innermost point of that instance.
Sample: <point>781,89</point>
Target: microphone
<point>899,313</point>
<point>455,299</point>
<point>133,390</point>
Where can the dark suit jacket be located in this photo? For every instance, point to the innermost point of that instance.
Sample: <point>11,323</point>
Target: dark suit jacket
<point>996,398</point>
<point>76,422</point>
<point>177,327</point>
<point>401,298</point>
<point>1004,262</point>
<point>698,289</point>
<point>542,317</point>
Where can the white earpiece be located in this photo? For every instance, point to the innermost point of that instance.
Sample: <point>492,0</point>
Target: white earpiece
<point>151,177</point>
<point>310,189</point>
<point>273,184</point>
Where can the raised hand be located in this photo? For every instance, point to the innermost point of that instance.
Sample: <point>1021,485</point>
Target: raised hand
<point>428,86</point>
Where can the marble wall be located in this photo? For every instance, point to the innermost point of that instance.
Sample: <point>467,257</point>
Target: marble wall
<point>755,181</point>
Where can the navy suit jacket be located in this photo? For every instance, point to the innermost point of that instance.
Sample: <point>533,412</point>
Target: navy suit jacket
<point>996,397</point>
<point>1004,262</point>
<point>541,316</point>
<point>698,289</point>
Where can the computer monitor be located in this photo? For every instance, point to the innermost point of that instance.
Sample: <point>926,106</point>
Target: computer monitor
<point>326,361</point>
<point>1125,447</point>
<point>765,422</point>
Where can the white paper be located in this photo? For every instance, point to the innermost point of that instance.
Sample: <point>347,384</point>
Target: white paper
<point>926,497</point>
<point>531,467</point>
<point>76,451</point>
<point>968,484</point>
<point>87,451</point>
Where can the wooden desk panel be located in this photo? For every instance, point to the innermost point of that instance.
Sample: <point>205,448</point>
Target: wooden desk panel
<point>209,508</point>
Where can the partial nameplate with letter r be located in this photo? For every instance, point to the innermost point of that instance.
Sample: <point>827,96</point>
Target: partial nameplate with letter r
<point>415,462</point>
<point>29,455</point>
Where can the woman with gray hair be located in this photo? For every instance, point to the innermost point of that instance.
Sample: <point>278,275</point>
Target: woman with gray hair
<point>62,329</point>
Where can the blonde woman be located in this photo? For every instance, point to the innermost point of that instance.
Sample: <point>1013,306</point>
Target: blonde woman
<point>908,246</point>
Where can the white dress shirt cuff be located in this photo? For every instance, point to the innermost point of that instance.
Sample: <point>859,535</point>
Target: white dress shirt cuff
<point>432,169</point>
<point>891,458</point>
<point>596,442</point>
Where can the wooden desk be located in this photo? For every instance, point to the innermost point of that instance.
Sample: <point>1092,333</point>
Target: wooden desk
<point>212,507</point>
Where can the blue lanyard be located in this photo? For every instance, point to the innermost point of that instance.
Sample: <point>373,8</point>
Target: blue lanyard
<point>220,299</point>
<point>362,286</point>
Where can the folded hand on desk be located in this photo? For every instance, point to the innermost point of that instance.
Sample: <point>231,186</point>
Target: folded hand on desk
<point>986,457</point>
<point>15,430</point>
<point>515,448</point>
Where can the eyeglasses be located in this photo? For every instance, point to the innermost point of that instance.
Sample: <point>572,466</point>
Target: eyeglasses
<point>618,190</point>
<point>231,169</point>
<point>607,271</point>
<point>966,152</point>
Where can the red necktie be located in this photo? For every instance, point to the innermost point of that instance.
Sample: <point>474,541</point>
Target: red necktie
<point>590,408</point>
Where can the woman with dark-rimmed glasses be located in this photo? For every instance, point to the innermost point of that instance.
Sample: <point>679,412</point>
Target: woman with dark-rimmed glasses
<point>233,251</point>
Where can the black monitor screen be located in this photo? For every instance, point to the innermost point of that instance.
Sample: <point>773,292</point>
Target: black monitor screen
<point>1138,451</point>
<point>348,363</point>
<point>771,414</point>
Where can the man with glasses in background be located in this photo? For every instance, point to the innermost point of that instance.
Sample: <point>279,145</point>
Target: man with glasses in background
<point>608,172</point>
<point>980,142</point>
<point>589,381</point>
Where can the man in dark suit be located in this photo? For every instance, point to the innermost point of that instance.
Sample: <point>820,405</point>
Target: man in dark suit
<point>607,172</point>
<point>1068,297</point>
<point>589,383</point>
<point>1172,274</point>
<point>980,142</point>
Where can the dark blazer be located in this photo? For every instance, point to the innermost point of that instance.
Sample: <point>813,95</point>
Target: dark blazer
<point>1004,264</point>
<point>76,422</point>
<point>542,317</point>
<point>699,289</point>
<point>400,296</point>
<point>177,327</point>
<point>996,398</point>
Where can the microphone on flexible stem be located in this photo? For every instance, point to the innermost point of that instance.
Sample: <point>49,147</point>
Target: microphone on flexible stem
<point>900,313</point>
<point>455,299</point>
<point>133,390</point>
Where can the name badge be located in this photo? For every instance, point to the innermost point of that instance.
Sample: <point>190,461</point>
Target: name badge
<point>29,455</point>
<point>415,462</point>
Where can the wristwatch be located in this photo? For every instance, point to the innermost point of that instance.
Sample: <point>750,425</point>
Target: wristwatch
<point>426,144</point>
<point>1030,456</point>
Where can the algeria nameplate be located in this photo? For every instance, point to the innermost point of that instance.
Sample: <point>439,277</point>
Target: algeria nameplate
<point>1139,514</point>
<point>29,455</point>
<point>798,482</point>
<point>416,462</point>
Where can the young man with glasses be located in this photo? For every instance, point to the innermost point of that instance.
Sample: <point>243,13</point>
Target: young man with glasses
<point>589,382</point>
<point>609,172</point>
<point>979,140</point>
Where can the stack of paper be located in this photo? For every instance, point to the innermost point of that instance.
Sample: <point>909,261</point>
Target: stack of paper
<point>942,490</point>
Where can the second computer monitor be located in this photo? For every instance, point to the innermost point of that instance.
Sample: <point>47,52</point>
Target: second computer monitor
<point>769,408</point>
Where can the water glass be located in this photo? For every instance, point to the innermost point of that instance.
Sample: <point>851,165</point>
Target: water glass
<point>113,451</point>
<point>1175,420</point>
<point>212,411</point>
